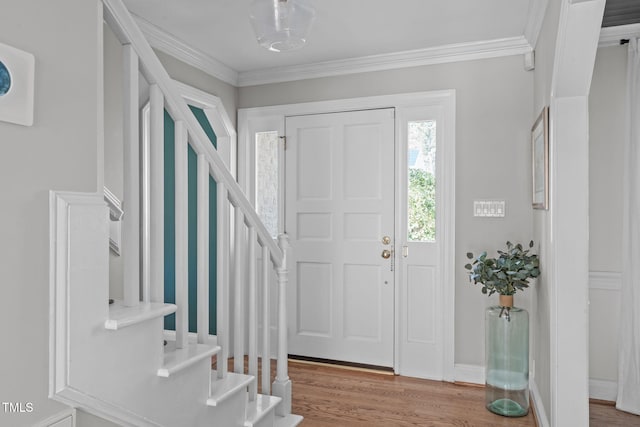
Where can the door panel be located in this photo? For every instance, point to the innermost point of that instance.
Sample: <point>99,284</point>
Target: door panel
<point>339,205</point>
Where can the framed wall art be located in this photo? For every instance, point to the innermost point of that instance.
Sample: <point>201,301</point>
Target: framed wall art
<point>16,85</point>
<point>540,160</point>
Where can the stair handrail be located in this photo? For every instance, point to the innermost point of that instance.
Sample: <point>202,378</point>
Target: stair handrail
<point>125,28</point>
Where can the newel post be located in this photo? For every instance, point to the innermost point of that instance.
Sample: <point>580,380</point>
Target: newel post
<point>282,384</point>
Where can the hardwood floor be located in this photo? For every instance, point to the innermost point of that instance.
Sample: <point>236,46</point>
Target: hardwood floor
<point>605,414</point>
<point>331,396</point>
<point>338,397</point>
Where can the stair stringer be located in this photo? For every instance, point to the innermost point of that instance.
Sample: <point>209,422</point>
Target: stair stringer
<point>113,374</point>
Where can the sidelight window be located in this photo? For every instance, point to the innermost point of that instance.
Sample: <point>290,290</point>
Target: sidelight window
<point>267,179</point>
<point>421,197</point>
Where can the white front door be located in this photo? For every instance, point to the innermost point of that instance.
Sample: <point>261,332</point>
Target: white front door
<point>339,215</point>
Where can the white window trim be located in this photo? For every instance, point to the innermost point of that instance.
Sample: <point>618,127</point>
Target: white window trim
<point>251,120</point>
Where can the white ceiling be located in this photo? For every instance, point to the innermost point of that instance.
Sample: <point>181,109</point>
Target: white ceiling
<point>343,30</point>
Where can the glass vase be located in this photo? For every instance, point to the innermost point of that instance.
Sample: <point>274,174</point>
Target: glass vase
<point>507,359</point>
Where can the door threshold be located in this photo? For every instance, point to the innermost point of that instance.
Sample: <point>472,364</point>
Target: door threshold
<point>339,364</point>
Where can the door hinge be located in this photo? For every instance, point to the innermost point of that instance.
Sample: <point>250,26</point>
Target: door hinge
<point>284,140</point>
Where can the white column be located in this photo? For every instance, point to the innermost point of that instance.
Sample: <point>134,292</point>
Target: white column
<point>131,161</point>
<point>182,234</point>
<point>203,249</point>
<point>266,327</point>
<point>156,226</point>
<point>222,278</point>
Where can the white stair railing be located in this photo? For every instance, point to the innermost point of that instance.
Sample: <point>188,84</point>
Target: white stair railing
<point>250,235</point>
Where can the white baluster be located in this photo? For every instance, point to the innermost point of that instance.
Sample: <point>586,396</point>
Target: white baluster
<point>253,314</point>
<point>182,234</point>
<point>266,327</point>
<point>145,205</point>
<point>238,312</point>
<point>203,249</point>
<point>222,278</point>
<point>131,144</point>
<point>156,229</point>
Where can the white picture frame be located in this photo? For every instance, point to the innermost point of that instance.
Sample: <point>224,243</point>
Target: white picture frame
<point>540,160</point>
<point>17,75</point>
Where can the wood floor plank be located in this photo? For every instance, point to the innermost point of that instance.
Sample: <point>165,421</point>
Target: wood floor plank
<point>333,396</point>
<point>605,414</point>
<point>330,396</point>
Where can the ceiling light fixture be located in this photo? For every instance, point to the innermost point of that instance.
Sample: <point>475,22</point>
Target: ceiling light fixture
<point>282,25</point>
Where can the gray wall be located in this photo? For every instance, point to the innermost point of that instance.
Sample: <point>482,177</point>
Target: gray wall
<point>494,100</point>
<point>607,128</point>
<point>61,151</point>
<point>191,76</point>
<point>113,142</point>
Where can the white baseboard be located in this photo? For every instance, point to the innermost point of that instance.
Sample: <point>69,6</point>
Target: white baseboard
<point>538,406</point>
<point>598,389</point>
<point>605,280</point>
<point>473,374</point>
<point>603,390</point>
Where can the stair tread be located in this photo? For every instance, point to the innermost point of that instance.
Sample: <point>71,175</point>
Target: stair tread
<point>259,408</point>
<point>121,316</point>
<point>223,388</point>
<point>290,420</point>
<point>176,359</point>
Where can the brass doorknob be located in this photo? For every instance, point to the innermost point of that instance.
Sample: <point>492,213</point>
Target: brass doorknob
<point>386,254</point>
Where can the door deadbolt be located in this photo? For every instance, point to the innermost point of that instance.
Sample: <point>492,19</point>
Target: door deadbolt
<point>386,240</point>
<point>386,254</point>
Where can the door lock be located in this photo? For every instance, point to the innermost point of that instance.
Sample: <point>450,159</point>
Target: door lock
<point>386,254</point>
<point>386,240</point>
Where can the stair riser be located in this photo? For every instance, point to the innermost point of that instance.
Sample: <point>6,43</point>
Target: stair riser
<point>267,420</point>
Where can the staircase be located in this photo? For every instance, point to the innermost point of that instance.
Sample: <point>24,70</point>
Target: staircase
<point>111,359</point>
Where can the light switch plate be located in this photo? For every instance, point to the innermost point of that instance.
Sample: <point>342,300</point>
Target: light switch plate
<point>489,208</point>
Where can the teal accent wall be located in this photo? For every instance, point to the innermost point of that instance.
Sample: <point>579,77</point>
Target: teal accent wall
<point>169,224</point>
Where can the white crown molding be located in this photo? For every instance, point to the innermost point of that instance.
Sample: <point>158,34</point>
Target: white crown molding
<point>535,18</point>
<point>169,44</point>
<point>412,58</point>
<point>611,36</point>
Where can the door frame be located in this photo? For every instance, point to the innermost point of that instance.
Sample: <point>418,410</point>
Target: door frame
<point>272,118</point>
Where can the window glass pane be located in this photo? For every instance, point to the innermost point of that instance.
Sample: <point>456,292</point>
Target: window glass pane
<point>421,195</point>
<point>267,180</point>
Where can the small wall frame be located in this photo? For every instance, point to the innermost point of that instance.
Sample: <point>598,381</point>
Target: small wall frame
<point>16,85</point>
<point>540,160</point>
